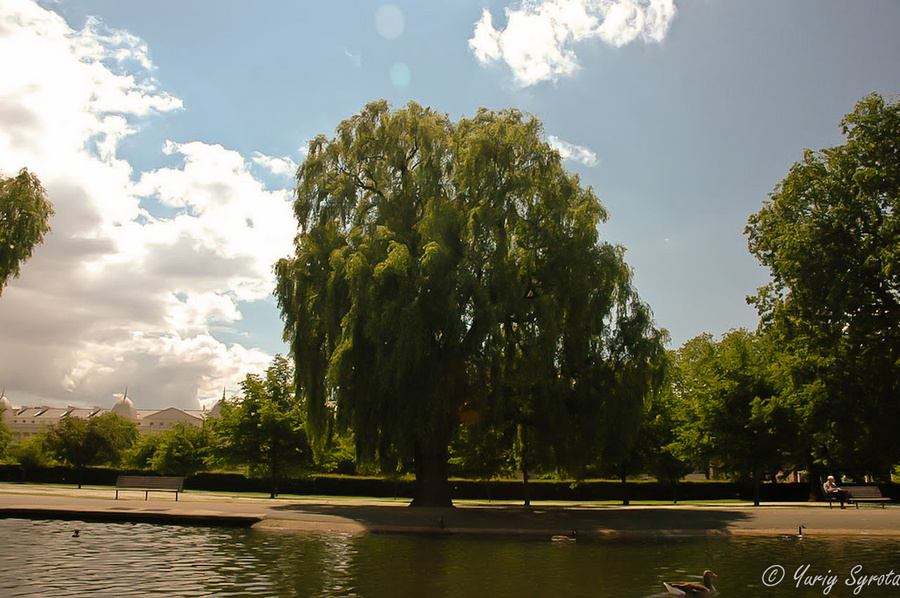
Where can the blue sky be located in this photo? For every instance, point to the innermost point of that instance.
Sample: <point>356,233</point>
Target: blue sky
<point>166,134</point>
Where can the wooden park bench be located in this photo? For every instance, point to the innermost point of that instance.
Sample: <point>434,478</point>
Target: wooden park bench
<point>148,484</point>
<point>858,494</point>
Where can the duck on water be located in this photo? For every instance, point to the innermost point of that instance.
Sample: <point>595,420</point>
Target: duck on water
<point>690,588</point>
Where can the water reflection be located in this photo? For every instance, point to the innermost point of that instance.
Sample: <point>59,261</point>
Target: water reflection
<point>41,558</point>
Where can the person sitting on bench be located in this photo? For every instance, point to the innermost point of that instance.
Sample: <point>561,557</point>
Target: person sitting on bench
<point>832,492</point>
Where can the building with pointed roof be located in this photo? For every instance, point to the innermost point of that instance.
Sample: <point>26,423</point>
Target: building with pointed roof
<point>125,407</point>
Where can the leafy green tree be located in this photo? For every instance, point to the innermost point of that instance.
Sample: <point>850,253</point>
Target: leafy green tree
<point>265,428</point>
<point>24,220</point>
<point>114,434</point>
<point>734,410</point>
<point>692,368</point>
<point>82,443</point>
<point>659,451</point>
<point>637,371</point>
<point>181,450</point>
<point>338,455</point>
<point>31,453</point>
<point>447,268</point>
<point>141,454</point>
<point>830,236</point>
<point>481,452</point>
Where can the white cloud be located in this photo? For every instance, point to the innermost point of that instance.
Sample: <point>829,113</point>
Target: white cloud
<point>227,215</point>
<point>539,38</point>
<point>117,296</point>
<point>570,151</point>
<point>169,364</point>
<point>284,166</point>
<point>98,42</point>
<point>485,40</point>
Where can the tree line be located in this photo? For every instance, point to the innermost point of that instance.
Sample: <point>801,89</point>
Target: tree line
<point>451,302</point>
<point>817,386</point>
<point>452,309</point>
<point>261,431</point>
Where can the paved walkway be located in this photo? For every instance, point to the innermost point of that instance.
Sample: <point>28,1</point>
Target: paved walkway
<point>326,514</point>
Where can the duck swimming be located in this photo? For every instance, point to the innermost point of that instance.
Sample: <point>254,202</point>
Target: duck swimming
<point>565,539</point>
<point>689,588</point>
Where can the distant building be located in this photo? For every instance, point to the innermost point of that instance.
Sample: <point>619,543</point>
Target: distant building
<point>26,421</point>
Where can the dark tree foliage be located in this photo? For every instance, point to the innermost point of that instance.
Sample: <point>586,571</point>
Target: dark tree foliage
<point>31,453</point>
<point>24,220</point>
<point>658,451</point>
<point>181,450</point>
<point>830,236</point>
<point>731,409</point>
<point>81,443</point>
<point>450,273</point>
<point>141,454</point>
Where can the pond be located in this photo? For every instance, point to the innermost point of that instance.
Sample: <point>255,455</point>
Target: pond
<point>46,558</point>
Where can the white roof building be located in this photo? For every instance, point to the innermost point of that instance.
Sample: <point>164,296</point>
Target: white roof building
<point>26,421</point>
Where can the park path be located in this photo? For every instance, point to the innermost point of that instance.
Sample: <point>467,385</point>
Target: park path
<point>338,514</point>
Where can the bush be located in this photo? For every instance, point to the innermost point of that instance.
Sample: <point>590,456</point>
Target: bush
<point>31,453</point>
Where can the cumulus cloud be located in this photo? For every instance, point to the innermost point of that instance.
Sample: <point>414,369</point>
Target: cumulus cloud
<point>227,215</point>
<point>119,295</point>
<point>570,151</point>
<point>99,42</point>
<point>538,42</point>
<point>284,166</point>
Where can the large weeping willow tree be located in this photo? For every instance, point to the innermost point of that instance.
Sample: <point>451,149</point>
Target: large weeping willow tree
<point>449,273</point>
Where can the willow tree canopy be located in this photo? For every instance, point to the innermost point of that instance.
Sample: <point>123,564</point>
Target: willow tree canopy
<point>452,273</point>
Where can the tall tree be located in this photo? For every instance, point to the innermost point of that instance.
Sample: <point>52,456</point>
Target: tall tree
<point>263,429</point>
<point>691,367</point>
<point>24,220</point>
<point>96,441</point>
<point>455,268</point>
<point>830,236</point>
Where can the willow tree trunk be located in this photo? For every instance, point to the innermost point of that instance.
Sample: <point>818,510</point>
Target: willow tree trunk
<point>432,487</point>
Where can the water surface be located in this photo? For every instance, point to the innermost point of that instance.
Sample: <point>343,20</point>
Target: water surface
<point>42,558</point>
